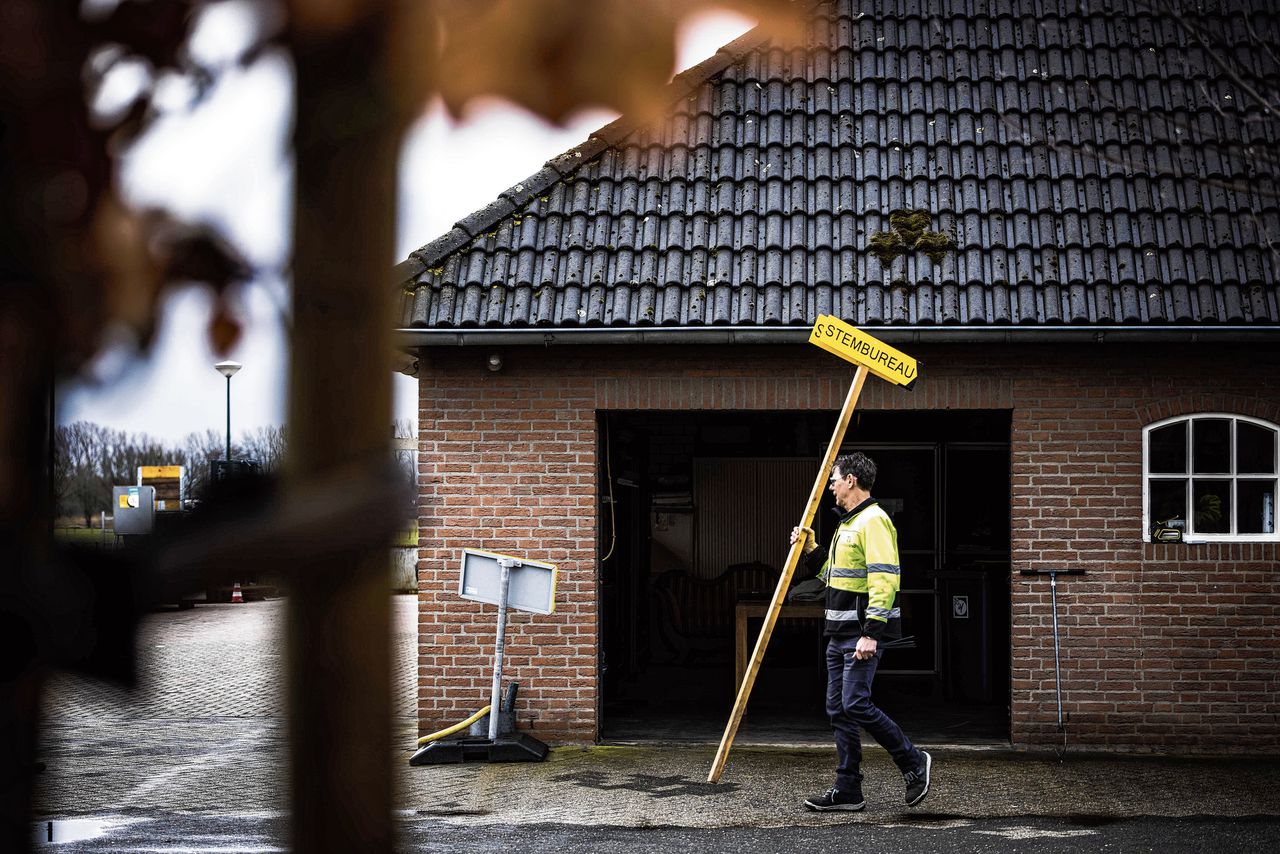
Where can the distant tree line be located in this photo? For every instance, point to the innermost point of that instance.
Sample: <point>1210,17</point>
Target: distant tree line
<point>89,459</point>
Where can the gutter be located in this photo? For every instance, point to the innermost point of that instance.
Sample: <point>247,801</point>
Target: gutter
<point>408,338</point>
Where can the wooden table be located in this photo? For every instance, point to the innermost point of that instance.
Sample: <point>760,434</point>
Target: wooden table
<point>744,611</point>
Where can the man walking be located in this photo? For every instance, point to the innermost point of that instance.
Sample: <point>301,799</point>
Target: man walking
<point>861,572</point>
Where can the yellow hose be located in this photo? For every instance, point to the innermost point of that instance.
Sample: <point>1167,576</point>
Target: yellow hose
<point>458,726</point>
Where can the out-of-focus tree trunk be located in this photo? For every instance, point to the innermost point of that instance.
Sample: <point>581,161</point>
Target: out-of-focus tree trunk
<point>347,141</point>
<point>47,173</point>
<point>24,543</point>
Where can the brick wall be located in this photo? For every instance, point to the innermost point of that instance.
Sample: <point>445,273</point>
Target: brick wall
<point>1166,647</point>
<point>508,463</point>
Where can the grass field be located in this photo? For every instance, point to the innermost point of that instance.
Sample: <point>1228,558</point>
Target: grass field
<point>408,536</point>
<point>82,536</point>
<point>94,537</point>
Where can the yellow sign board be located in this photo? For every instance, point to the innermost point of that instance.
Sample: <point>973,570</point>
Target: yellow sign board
<point>159,472</point>
<point>852,344</point>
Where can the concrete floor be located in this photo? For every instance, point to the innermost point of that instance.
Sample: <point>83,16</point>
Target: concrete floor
<point>670,703</point>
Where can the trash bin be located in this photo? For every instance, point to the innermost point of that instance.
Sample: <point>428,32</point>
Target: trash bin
<point>966,635</point>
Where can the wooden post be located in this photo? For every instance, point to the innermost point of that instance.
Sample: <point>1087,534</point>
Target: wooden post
<point>346,138</point>
<point>784,581</point>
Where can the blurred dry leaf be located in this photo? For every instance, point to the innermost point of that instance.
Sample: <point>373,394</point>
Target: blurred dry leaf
<point>224,328</point>
<point>193,252</point>
<point>130,275</point>
<point>136,254</point>
<point>551,56</point>
<point>557,56</point>
<point>196,252</point>
<point>415,31</point>
<point>554,56</point>
<point>321,17</point>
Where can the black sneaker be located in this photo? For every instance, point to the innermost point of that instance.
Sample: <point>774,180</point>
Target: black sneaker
<point>918,780</point>
<point>834,799</point>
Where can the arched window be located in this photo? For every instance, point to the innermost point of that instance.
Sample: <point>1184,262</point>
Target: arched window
<point>1211,476</point>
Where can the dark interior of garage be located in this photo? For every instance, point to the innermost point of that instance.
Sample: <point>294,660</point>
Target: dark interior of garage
<point>695,510</point>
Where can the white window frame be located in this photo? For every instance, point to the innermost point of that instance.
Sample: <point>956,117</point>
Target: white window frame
<point>1232,475</point>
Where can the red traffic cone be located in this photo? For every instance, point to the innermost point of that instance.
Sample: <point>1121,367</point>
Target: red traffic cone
<point>236,595</point>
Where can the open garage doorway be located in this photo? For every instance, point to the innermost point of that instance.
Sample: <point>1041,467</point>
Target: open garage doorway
<point>695,508</point>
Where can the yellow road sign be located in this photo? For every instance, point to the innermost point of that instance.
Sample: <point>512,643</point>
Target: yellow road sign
<point>852,344</point>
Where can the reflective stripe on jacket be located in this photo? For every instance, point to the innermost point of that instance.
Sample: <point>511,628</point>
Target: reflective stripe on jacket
<point>862,575</point>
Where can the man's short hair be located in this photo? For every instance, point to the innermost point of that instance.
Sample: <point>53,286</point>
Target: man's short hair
<point>860,466</point>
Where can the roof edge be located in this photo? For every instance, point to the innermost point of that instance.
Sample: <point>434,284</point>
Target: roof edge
<point>408,338</point>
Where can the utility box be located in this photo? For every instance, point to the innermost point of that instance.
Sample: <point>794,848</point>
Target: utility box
<point>170,485</point>
<point>134,509</point>
<point>224,471</point>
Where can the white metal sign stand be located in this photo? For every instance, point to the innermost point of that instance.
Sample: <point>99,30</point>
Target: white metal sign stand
<point>495,696</point>
<point>508,582</point>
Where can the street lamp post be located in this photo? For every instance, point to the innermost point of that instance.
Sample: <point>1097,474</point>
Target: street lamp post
<point>228,370</point>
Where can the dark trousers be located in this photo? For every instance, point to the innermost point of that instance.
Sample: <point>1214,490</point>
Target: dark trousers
<point>850,708</point>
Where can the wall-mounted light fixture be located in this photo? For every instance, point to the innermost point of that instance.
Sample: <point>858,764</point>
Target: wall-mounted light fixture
<point>405,363</point>
<point>494,362</point>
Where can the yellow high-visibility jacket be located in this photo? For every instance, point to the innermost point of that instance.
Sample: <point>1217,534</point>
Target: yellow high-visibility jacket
<point>862,575</point>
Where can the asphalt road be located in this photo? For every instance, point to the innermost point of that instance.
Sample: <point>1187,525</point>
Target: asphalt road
<point>926,833</point>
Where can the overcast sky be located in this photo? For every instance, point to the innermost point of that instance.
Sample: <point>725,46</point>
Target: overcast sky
<point>227,161</point>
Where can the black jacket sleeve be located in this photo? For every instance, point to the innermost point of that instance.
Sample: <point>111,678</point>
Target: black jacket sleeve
<point>811,564</point>
<point>873,629</point>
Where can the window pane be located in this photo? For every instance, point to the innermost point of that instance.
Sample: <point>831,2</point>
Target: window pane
<point>1257,506</point>
<point>1211,445</point>
<point>1169,503</point>
<point>1212,506</point>
<point>1255,449</point>
<point>1168,451</point>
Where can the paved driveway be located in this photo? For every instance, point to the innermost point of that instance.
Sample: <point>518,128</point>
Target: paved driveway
<point>205,730</point>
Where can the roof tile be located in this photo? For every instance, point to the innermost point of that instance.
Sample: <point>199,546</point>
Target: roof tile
<point>1054,155</point>
<point>486,218</point>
